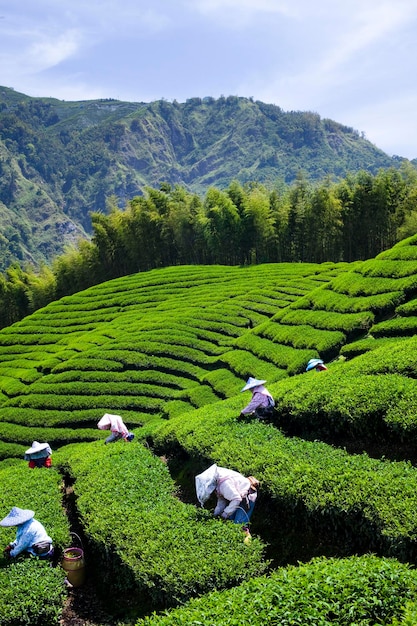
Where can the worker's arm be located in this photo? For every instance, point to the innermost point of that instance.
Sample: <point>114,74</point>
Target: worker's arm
<point>220,506</point>
<point>231,493</point>
<point>258,399</point>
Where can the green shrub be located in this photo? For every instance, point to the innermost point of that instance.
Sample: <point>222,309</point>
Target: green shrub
<point>409,618</point>
<point>389,357</point>
<point>144,540</point>
<point>397,327</point>
<point>278,354</point>
<point>10,450</point>
<point>31,593</point>
<point>328,300</point>
<point>38,490</point>
<point>302,336</point>
<point>347,323</point>
<point>356,348</point>
<point>352,497</point>
<point>244,363</point>
<point>356,285</point>
<point>389,268</point>
<point>360,590</point>
<point>408,308</point>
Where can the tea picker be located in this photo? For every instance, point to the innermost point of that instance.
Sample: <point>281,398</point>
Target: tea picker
<point>31,537</point>
<point>236,494</point>
<point>316,364</point>
<point>118,429</point>
<point>39,455</point>
<point>262,403</point>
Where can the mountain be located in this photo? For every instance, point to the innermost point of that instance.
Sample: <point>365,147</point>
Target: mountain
<point>61,160</point>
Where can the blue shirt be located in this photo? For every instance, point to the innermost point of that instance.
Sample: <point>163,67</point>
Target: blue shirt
<point>28,533</point>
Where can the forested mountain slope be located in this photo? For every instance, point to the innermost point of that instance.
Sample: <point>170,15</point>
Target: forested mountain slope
<point>61,160</point>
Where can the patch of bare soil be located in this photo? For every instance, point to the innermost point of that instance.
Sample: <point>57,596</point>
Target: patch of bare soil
<point>83,608</point>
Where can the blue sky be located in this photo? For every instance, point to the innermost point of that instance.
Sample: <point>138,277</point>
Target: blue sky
<point>352,61</point>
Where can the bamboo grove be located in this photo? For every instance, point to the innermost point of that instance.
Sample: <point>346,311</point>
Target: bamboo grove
<point>352,219</point>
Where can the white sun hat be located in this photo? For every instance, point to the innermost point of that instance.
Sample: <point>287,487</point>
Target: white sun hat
<point>205,483</point>
<point>253,382</point>
<point>17,516</point>
<point>37,447</point>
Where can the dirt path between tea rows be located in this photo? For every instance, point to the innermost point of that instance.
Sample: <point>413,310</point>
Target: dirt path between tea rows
<point>83,608</point>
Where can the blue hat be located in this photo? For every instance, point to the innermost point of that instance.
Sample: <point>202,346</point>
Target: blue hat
<point>130,437</point>
<point>17,516</point>
<point>313,363</point>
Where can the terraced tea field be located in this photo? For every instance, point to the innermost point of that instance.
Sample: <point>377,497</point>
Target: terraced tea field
<point>150,345</point>
<point>169,350</point>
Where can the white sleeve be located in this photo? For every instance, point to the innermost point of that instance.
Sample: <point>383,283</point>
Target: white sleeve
<point>220,506</point>
<point>230,492</point>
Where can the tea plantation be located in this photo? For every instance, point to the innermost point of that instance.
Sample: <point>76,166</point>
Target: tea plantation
<point>335,525</point>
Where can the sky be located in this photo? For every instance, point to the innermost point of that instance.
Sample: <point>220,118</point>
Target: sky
<point>353,61</point>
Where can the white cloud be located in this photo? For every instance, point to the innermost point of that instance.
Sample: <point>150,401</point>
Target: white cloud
<point>235,15</point>
<point>45,52</point>
<point>251,6</point>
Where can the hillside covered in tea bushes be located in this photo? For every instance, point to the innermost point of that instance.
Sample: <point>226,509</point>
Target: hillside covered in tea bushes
<point>335,526</point>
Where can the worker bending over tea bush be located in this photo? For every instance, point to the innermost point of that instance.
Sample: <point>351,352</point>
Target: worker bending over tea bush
<point>236,494</point>
<point>118,429</point>
<point>31,536</point>
<point>262,403</point>
<point>39,455</point>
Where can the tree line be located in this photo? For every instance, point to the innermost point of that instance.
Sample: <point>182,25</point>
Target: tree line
<point>352,219</point>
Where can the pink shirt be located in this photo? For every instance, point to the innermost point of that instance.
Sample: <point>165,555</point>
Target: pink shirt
<point>231,488</point>
<point>115,423</point>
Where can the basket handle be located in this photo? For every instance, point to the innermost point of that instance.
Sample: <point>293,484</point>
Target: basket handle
<point>78,537</point>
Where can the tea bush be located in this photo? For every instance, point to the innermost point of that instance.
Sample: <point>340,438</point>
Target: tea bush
<point>31,593</point>
<point>242,363</point>
<point>328,300</point>
<point>301,336</point>
<point>10,450</point>
<point>409,618</point>
<point>157,345</point>
<point>348,323</point>
<point>38,490</point>
<point>356,348</point>
<point>397,327</point>
<point>167,550</point>
<point>356,285</point>
<point>361,407</point>
<point>359,590</point>
<point>280,355</point>
<point>354,498</point>
<point>389,356</point>
<point>22,434</point>
<point>389,268</point>
<point>408,308</point>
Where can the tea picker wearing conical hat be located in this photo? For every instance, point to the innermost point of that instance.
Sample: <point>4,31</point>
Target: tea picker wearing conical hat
<point>262,403</point>
<point>39,455</point>
<point>31,536</point>
<point>316,364</point>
